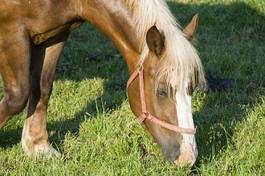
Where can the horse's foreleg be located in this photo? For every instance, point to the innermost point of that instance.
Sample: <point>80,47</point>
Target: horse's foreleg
<point>14,69</point>
<point>35,136</point>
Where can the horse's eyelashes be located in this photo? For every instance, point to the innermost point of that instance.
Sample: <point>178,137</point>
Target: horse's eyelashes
<point>190,89</point>
<point>162,93</point>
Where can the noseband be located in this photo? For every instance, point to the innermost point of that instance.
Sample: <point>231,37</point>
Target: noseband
<point>146,115</point>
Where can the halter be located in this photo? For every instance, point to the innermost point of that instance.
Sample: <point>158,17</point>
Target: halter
<point>146,115</point>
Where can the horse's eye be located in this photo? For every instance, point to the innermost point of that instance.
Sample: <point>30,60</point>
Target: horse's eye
<point>162,93</point>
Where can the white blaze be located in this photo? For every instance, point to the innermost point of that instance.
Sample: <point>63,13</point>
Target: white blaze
<point>185,120</point>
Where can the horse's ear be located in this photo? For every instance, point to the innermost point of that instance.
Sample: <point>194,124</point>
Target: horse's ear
<point>155,41</point>
<point>191,28</point>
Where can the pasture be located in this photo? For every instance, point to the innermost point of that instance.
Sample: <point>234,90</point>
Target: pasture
<point>91,124</point>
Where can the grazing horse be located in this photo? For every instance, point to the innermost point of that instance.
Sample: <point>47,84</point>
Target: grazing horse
<point>163,64</point>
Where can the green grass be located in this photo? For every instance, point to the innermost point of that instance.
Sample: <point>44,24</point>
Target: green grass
<point>91,124</point>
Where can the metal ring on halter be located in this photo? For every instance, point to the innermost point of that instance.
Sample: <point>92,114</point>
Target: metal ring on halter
<point>140,67</point>
<point>147,114</point>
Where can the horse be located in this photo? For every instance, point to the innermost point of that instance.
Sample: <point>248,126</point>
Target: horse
<point>163,64</point>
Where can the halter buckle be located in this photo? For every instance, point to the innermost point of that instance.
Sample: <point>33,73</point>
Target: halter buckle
<point>147,115</point>
<point>140,68</point>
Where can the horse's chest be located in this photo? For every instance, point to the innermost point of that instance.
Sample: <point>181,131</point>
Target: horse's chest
<point>41,37</point>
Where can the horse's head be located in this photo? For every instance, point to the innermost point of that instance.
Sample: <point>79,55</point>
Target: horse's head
<point>170,75</point>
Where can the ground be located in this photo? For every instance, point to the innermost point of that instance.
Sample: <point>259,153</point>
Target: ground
<point>90,122</point>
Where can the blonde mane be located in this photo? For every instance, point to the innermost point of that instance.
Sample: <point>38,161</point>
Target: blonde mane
<point>180,64</point>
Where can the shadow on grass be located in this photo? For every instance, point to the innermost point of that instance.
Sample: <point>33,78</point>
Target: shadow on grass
<point>230,42</point>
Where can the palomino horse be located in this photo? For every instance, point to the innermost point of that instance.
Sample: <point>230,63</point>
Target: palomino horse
<point>163,64</point>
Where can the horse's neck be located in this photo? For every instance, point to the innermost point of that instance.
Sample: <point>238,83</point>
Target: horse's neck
<point>115,20</point>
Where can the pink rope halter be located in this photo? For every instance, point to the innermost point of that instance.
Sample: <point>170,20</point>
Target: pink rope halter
<point>139,72</point>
